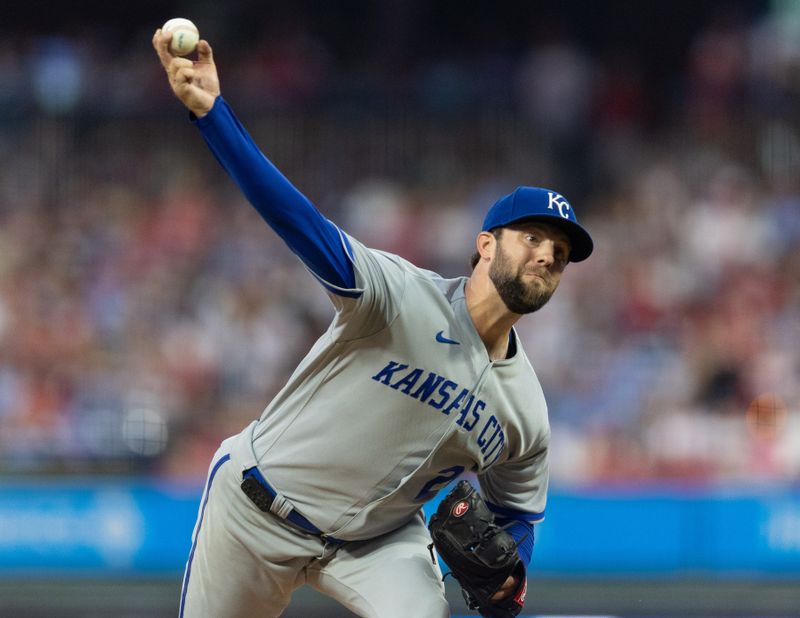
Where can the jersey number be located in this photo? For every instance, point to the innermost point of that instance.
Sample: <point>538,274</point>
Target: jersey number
<point>435,484</point>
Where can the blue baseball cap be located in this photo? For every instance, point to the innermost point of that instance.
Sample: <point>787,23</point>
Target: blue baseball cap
<point>547,206</point>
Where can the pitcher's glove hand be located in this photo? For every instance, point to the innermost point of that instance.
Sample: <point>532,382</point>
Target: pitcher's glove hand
<point>481,555</point>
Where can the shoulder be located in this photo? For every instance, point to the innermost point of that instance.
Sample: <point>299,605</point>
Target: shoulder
<point>361,253</point>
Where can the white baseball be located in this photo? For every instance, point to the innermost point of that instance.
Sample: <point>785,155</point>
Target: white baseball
<point>184,35</point>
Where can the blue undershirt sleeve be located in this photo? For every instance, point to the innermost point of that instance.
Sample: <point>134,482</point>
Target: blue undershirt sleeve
<point>320,244</point>
<point>519,525</point>
<point>520,530</point>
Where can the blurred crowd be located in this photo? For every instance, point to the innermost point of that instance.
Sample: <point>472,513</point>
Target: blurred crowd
<point>146,312</point>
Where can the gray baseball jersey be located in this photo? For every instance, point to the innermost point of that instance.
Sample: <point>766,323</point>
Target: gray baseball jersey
<point>394,401</point>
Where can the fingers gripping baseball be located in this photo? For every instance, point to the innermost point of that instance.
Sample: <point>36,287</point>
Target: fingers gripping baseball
<point>181,73</point>
<point>195,83</point>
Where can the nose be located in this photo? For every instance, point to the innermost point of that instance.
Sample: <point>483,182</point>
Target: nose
<point>545,253</point>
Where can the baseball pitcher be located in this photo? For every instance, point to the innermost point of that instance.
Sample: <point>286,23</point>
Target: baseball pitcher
<point>417,380</point>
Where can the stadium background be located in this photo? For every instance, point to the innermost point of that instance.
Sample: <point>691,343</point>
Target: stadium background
<point>146,312</point>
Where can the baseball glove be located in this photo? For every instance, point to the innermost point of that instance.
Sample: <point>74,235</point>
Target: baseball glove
<point>481,555</point>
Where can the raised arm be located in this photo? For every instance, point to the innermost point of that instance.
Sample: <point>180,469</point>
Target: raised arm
<point>320,244</point>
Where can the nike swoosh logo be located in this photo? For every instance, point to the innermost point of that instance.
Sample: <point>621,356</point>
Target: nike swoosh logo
<point>442,339</point>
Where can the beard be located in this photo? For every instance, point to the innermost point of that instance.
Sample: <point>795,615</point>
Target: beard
<point>520,297</point>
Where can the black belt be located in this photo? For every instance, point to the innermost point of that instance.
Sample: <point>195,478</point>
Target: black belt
<point>262,494</point>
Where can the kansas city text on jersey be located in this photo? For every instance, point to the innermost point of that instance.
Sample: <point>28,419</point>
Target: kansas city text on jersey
<point>445,395</point>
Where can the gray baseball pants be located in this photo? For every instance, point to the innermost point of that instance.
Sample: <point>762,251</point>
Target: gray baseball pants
<point>245,563</point>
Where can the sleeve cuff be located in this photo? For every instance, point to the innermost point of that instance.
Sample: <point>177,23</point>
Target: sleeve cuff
<point>508,513</point>
<point>207,119</point>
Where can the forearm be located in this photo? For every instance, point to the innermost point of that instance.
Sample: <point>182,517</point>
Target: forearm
<point>312,237</point>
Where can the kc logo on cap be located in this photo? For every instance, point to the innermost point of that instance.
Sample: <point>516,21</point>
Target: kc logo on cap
<point>560,202</point>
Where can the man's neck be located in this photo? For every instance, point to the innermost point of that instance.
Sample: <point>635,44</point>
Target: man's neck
<point>490,316</point>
